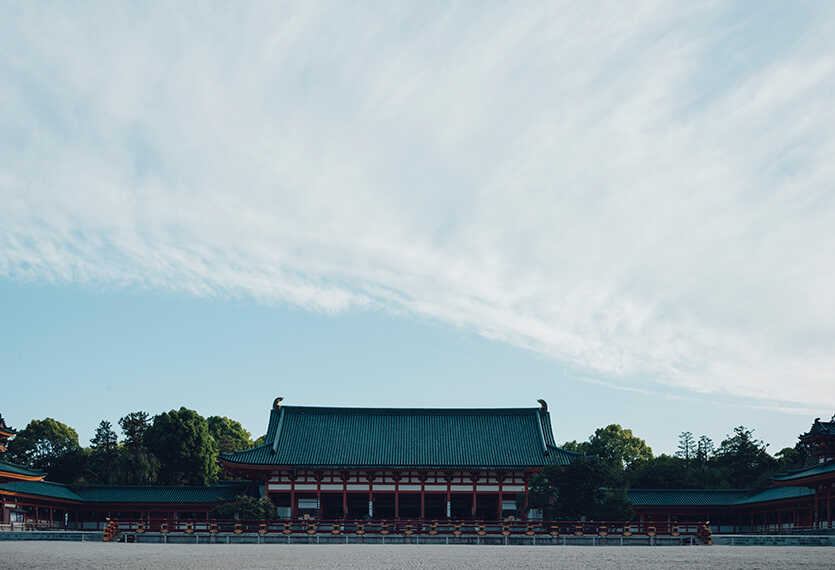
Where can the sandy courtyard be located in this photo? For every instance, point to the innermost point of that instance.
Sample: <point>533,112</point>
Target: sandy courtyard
<point>99,555</point>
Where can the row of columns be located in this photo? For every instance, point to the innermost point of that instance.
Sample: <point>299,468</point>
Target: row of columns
<point>294,510</point>
<point>824,492</point>
<point>448,503</point>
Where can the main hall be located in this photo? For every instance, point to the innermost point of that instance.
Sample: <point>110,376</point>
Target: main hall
<point>392,463</point>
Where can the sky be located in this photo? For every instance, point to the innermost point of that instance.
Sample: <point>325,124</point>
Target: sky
<point>624,208</point>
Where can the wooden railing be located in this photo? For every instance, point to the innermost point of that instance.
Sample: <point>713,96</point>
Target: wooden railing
<point>412,527</point>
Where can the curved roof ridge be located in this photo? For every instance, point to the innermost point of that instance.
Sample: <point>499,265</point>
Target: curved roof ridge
<point>359,409</point>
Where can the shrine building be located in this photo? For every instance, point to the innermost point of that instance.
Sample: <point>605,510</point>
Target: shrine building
<point>392,463</point>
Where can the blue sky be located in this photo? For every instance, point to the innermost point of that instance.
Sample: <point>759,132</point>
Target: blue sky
<point>626,209</point>
<point>83,354</point>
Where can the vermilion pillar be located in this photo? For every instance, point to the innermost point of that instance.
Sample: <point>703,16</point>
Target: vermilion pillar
<point>422,499</point>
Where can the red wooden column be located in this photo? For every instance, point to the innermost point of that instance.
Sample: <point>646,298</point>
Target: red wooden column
<point>500,479</point>
<point>397,495</point>
<point>344,494</point>
<point>816,515</point>
<point>449,495</point>
<point>293,510</point>
<point>422,496</point>
<point>318,476</point>
<point>474,477</point>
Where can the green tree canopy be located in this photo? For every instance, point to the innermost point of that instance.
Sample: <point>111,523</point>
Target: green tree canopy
<point>245,507</point>
<point>105,438</point>
<point>43,444</point>
<point>587,488</point>
<point>181,441</point>
<point>617,446</point>
<point>744,459</point>
<point>228,434</point>
<point>134,425</point>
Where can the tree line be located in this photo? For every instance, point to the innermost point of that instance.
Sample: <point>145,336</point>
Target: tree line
<point>616,460</point>
<point>181,447</point>
<point>174,447</point>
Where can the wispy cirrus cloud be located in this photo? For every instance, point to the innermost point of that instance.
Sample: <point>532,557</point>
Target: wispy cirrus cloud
<point>645,193</point>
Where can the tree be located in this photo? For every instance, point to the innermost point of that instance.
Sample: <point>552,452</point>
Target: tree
<point>43,445</point>
<point>245,507</point>
<point>744,459</point>
<point>575,446</point>
<point>105,438</point>
<point>686,446</point>
<point>134,425</point>
<point>794,457</point>
<point>662,472</point>
<point>704,449</point>
<point>180,439</point>
<point>103,465</point>
<point>618,446</point>
<point>228,434</point>
<point>138,466</point>
<point>587,488</point>
<point>260,441</point>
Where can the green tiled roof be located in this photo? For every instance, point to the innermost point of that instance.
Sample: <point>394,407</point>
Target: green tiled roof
<point>41,488</point>
<point>711,497</point>
<point>395,437</point>
<point>821,469</point>
<point>19,470</point>
<point>685,497</point>
<point>776,494</point>
<point>161,493</point>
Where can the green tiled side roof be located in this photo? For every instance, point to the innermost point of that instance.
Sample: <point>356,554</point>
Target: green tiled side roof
<point>161,493</point>
<point>129,493</point>
<point>19,470</point>
<point>41,488</point>
<point>712,497</point>
<point>685,497</point>
<point>776,494</point>
<point>821,469</point>
<point>430,438</point>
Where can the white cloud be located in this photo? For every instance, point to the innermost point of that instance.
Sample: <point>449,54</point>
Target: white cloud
<point>645,194</point>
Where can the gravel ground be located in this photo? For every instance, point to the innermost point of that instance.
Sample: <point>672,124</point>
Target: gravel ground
<point>36,554</point>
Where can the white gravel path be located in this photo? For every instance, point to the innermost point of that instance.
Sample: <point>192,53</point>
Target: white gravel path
<point>36,554</point>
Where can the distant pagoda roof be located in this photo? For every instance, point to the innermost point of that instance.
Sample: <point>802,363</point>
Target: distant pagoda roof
<point>431,438</point>
<point>820,428</point>
<point>6,430</point>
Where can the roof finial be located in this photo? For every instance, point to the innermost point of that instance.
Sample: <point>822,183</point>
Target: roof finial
<point>543,405</point>
<point>277,402</point>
